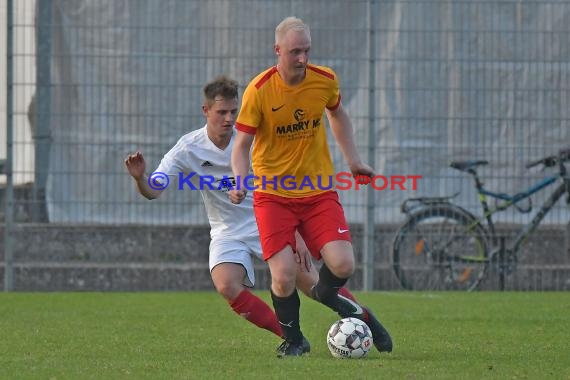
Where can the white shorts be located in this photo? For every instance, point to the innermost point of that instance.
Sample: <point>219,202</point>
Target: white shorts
<point>223,250</point>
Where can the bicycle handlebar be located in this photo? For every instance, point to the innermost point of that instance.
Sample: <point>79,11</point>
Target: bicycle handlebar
<point>551,161</point>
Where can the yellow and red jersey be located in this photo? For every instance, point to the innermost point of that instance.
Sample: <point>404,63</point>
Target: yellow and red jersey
<point>290,138</point>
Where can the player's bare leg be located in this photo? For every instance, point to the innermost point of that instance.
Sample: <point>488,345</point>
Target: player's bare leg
<point>228,280</point>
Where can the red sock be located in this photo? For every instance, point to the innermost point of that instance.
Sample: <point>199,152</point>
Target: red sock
<point>256,311</point>
<point>346,293</point>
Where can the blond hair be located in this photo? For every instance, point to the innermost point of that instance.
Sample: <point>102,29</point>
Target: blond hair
<point>291,23</point>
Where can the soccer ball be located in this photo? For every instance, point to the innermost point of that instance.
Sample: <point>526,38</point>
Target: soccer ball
<point>349,338</point>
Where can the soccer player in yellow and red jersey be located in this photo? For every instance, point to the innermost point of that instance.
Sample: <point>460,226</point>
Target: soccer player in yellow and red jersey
<point>282,116</point>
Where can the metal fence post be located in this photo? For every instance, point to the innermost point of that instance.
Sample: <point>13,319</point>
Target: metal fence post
<point>502,265</point>
<point>42,109</point>
<point>370,221</point>
<point>9,170</point>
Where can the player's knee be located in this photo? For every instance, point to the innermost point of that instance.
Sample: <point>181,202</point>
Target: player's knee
<point>229,290</point>
<point>283,284</point>
<point>342,268</point>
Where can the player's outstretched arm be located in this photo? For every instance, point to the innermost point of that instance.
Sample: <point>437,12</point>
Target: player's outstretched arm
<point>136,167</point>
<point>343,132</point>
<point>240,164</point>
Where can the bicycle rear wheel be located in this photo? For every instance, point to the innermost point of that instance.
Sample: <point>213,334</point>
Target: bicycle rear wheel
<point>440,248</point>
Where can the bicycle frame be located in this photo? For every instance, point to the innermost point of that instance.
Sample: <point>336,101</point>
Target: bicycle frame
<point>515,245</point>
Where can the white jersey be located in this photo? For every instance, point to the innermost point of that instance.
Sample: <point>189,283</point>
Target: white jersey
<point>196,153</point>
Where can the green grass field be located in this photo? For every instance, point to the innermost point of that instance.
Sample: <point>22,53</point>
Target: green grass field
<point>196,336</point>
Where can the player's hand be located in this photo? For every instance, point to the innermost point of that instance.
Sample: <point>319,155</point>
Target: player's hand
<point>237,196</point>
<point>303,259</point>
<point>136,165</point>
<point>302,254</point>
<point>362,172</point>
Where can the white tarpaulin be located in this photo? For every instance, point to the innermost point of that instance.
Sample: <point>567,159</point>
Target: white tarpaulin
<point>451,80</point>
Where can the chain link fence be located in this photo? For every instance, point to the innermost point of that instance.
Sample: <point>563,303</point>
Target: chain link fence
<point>425,82</point>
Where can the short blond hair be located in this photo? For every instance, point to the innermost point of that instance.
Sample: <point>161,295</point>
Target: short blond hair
<point>290,23</point>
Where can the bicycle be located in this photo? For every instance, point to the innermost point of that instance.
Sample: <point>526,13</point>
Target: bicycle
<point>443,246</point>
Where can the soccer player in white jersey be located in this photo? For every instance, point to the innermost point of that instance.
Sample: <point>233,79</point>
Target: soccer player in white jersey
<point>201,156</point>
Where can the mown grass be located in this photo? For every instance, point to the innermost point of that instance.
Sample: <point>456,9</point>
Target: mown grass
<point>196,336</point>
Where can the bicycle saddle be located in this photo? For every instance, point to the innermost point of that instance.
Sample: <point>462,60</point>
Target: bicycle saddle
<point>466,165</point>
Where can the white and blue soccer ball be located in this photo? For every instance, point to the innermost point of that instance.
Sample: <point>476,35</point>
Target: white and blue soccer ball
<point>349,338</point>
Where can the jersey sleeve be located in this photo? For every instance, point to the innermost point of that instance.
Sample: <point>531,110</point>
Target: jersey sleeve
<point>174,164</point>
<point>171,164</point>
<point>334,100</point>
<point>249,116</point>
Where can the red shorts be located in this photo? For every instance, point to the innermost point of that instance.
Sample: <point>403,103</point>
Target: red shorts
<point>318,218</point>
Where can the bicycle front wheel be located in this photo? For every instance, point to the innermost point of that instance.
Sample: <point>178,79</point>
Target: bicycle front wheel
<point>440,248</point>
